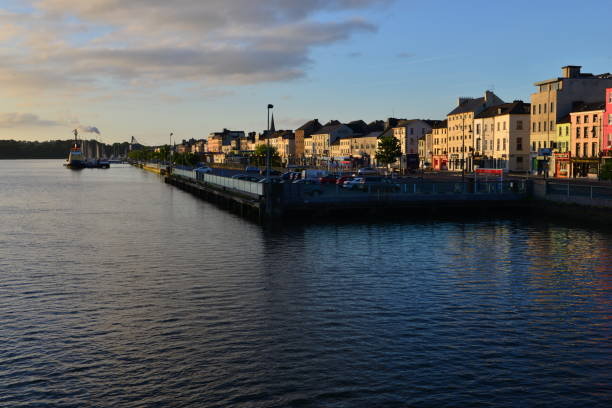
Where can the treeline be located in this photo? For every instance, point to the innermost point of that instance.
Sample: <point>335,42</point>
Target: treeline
<point>52,149</point>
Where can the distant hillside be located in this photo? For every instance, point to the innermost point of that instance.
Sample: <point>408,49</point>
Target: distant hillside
<point>53,149</point>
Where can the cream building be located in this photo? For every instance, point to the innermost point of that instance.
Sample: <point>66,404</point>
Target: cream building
<point>501,135</point>
<point>554,100</point>
<point>440,146</point>
<point>460,129</point>
<point>319,145</point>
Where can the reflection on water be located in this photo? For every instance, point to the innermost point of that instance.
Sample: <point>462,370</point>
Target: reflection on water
<point>119,290</point>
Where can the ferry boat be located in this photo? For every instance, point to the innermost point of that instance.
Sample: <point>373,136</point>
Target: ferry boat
<point>76,160</point>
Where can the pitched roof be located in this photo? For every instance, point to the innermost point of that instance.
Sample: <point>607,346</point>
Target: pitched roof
<point>565,119</point>
<point>328,129</point>
<point>441,124</point>
<point>586,107</point>
<point>358,126</point>
<point>469,105</point>
<point>512,108</point>
<point>311,125</point>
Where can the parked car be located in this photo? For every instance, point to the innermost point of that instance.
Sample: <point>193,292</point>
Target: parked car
<point>246,177</point>
<point>251,169</point>
<point>340,181</point>
<point>307,181</point>
<point>328,179</point>
<point>204,169</point>
<point>273,180</point>
<point>313,174</point>
<point>296,175</point>
<point>378,184</point>
<point>367,171</point>
<point>352,183</point>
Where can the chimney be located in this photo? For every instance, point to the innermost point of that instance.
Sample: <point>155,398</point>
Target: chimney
<point>571,71</point>
<point>462,100</point>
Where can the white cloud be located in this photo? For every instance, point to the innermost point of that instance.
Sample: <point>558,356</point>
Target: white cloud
<point>13,120</point>
<point>97,44</point>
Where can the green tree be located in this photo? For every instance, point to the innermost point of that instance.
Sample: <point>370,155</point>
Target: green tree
<point>389,150</point>
<point>605,173</point>
<point>260,155</point>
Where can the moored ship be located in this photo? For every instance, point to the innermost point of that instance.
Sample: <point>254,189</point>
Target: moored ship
<point>76,159</point>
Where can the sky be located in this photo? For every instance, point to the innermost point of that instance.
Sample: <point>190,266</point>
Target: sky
<point>146,68</point>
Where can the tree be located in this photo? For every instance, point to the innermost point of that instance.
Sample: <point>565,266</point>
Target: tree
<point>260,155</point>
<point>389,150</point>
<point>605,173</point>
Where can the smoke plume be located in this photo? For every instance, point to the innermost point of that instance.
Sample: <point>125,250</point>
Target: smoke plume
<point>89,129</point>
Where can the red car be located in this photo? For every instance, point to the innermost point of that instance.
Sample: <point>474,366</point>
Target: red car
<point>342,179</point>
<point>329,179</point>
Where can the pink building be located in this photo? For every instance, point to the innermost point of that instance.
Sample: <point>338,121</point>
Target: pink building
<point>585,138</point>
<point>606,137</point>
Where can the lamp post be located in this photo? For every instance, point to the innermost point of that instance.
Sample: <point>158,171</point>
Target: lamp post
<point>268,165</point>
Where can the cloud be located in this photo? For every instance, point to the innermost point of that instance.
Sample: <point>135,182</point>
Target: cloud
<point>95,44</point>
<point>14,120</point>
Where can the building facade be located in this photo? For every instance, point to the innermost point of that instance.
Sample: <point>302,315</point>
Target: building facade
<point>501,137</point>
<point>440,146</point>
<point>321,141</point>
<point>302,133</point>
<point>561,154</point>
<point>552,101</point>
<point>606,137</point>
<point>585,144</point>
<point>460,129</point>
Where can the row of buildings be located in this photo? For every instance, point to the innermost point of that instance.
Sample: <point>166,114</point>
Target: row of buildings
<point>565,131</point>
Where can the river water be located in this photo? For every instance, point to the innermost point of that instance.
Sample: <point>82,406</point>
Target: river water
<point>117,290</point>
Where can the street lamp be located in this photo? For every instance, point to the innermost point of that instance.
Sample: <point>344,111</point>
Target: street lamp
<point>268,181</point>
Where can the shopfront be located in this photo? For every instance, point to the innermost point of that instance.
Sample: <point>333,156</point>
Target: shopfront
<point>585,167</point>
<point>562,164</point>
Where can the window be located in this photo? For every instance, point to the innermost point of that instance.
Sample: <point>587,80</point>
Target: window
<point>577,149</point>
<point>595,118</point>
<point>533,147</point>
<point>586,148</point>
<point>534,126</point>
<point>577,133</point>
<point>498,145</point>
<point>478,129</point>
<point>594,130</point>
<point>560,131</point>
<point>519,143</point>
<point>552,107</point>
<point>610,97</point>
<point>504,125</point>
<point>504,144</point>
<point>478,144</point>
<point>539,126</point>
<point>552,125</point>
<point>545,126</point>
<point>411,131</point>
<point>519,125</point>
<point>544,108</point>
<point>533,108</point>
<point>610,114</point>
<point>498,126</point>
<point>519,159</point>
<point>539,108</point>
<point>593,149</point>
<point>567,130</point>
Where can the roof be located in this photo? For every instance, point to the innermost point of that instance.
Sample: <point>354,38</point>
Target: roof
<point>312,125</point>
<point>512,108</point>
<point>328,129</point>
<point>565,119</point>
<point>441,124</point>
<point>586,107</point>
<point>469,105</point>
<point>375,134</point>
<point>358,126</point>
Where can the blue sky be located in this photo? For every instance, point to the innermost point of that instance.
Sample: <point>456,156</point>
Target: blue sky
<point>145,68</point>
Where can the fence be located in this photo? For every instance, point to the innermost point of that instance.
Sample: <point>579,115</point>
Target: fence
<point>219,181</point>
<point>588,191</point>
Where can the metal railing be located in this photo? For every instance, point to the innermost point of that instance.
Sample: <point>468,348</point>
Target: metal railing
<point>219,181</point>
<point>590,191</point>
